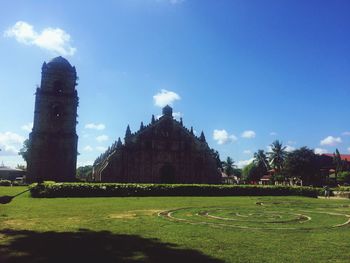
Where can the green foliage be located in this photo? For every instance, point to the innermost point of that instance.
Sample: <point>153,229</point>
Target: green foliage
<point>113,189</point>
<point>277,155</point>
<point>251,172</point>
<point>344,177</point>
<point>5,183</point>
<point>229,166</point>
<point>302,163</point>
<point>84,173</point>
<point>24,151</point>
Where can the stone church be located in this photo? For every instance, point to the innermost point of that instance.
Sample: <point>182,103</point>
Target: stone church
<point>52,150</point>
<point>162,152</point>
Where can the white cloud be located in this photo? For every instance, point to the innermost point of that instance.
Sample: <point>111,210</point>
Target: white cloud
<point>222,137</point>
<point>10,143</point>
<point>247,151</point>
<point>102,138</point>
<point>347,133</point>
<point>88,148</point>
<point>52,39</point>
<point>320,151</point>
<point>101,148</point>
<point>27,127</point>
<point>248,134</point>
<point>242,163</point>
<point>289,148</point>
<point>165,97</point>
<point>331,141</point>
<point>94,126</point>
<point>84,163</point>
<point>348,149</point>
<point>273,133</point>
<point>177,115</point>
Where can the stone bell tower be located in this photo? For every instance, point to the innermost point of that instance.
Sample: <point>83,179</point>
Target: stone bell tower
<point>53,140</point>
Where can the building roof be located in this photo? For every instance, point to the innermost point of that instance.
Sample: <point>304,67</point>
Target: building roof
<point>59,63</point>
<point>344,157</point>
<point>9,169</point>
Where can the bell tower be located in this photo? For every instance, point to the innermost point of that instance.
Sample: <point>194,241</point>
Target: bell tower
<point>53,140</point>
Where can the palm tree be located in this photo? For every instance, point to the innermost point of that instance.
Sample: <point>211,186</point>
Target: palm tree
<point>277,155</point>
<point>229,166</point>
<point>260,160</point>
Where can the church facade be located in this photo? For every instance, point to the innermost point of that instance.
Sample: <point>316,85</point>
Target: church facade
<point>52,151</point>
<point>162,152</point>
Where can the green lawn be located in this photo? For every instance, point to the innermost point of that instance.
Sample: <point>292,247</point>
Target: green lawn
<point>174,229</point>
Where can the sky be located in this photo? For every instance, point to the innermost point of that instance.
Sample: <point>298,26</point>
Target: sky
<point>244,72</point>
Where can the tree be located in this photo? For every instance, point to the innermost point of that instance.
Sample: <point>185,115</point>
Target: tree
<point>84,173</point>
<point>21,167</point>
<point>229,166</point>
<point>277,156</point>
<point>340,165</point>
<point>251,172</point>
<point>24,151</point>
<point>302,163</point>
<point>261,162</point>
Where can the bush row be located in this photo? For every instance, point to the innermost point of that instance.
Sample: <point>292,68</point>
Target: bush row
<point>114,189</point>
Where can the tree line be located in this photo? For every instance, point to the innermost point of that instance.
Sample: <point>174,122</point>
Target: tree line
<point>300,165</point>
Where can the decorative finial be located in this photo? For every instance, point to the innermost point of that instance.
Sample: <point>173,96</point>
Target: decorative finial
<point>142,126</point>
<point>191,131</point>
<point>181,121</point>
<point>128,132</point>
<point>153,119</point>
<point>119,143</point>
<point>202,137</point>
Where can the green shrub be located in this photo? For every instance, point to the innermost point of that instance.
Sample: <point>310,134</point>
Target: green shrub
<point>343,177</point>
<point>5,183</point>
<point>115,189</point>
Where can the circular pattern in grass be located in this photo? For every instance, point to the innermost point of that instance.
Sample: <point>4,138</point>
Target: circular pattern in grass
<point>258,217</point>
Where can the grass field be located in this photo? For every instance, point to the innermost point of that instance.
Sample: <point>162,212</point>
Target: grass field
<point>174,229</point>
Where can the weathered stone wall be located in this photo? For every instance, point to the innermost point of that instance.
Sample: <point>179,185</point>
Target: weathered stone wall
<point>164,152</point>
<point>53,141</point>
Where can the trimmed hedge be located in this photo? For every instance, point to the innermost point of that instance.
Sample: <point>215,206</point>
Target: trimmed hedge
<point>123,190</point>
<point>5,183</point>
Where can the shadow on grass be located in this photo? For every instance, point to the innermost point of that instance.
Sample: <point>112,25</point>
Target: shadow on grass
<point>88,246</point>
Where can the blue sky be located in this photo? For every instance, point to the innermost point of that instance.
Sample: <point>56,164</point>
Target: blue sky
<point>244,72</point>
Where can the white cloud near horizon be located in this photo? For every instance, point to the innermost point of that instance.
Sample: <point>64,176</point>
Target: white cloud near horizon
<point>320,151</point>
<point>165,97</point>
<point>330,141</point>
<point>94,126</point>
<point>242,163</point>
<point>222,137</point>
<point>52,39</point>
<point>289,148</point>
<point>346,133</point>
<point>247,151</point>
<point>348,149</point>
<point>27,127</point>
<point>102,138</point>
<point>10,143</point>
<point>248,134</point>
